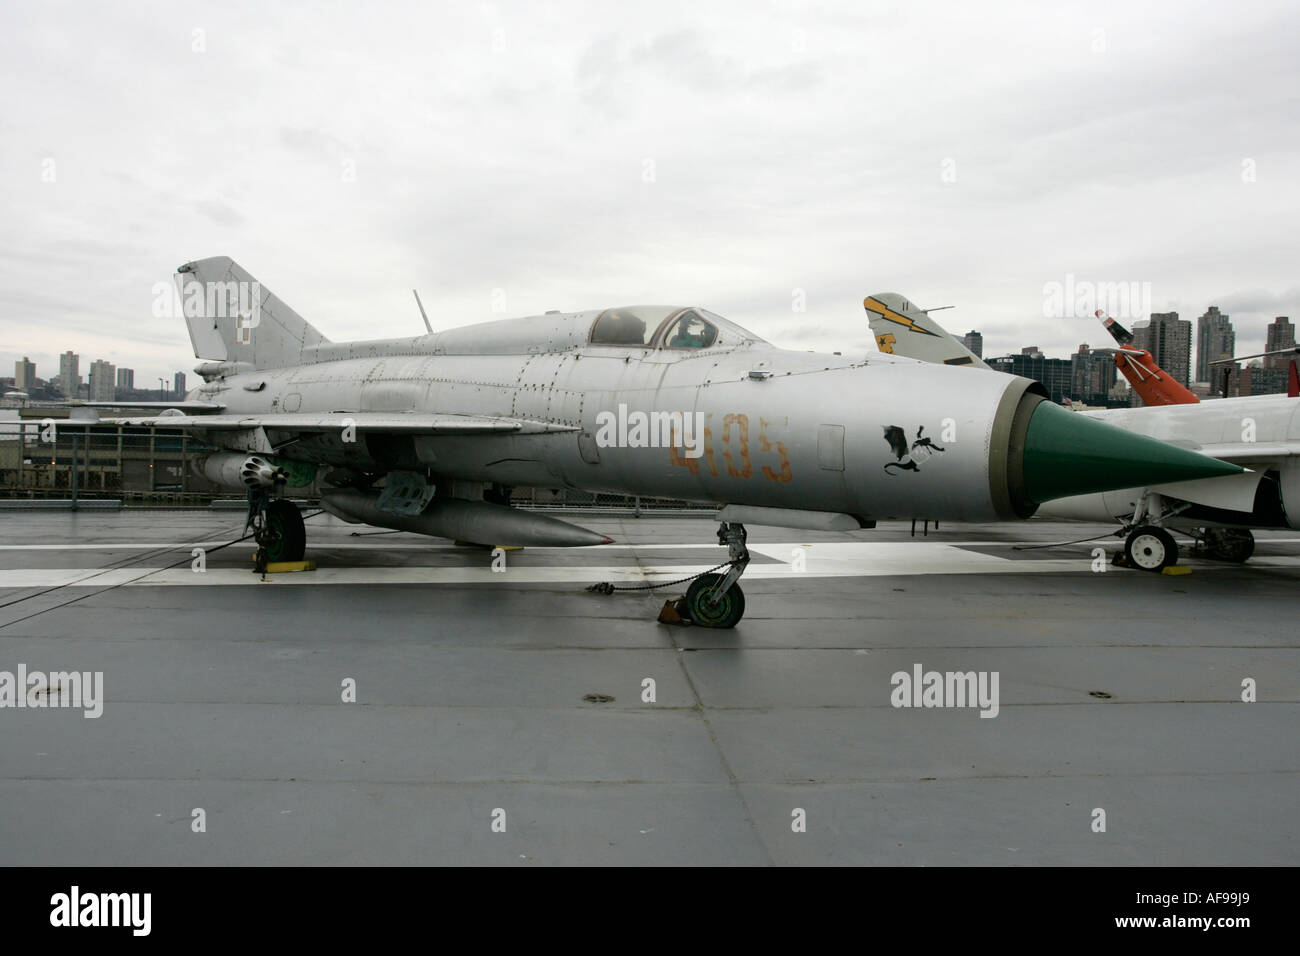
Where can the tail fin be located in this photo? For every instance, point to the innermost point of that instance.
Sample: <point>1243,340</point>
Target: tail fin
<point>1152,383</point>
<point>232,317</point>
<point>903,329</point>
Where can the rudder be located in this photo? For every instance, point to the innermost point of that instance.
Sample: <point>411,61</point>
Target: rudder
<point>233,317</point>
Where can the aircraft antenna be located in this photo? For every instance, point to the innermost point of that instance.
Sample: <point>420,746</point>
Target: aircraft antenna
<point>423,314</point>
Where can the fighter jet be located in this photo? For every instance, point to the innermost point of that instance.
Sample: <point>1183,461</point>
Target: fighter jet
<point>1261,433</point>
<point>430,433</point>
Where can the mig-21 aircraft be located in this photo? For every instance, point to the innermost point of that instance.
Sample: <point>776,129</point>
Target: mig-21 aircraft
<point>430,434</point>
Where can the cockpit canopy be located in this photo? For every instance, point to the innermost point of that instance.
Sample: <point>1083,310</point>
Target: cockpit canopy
<point>667,326</point>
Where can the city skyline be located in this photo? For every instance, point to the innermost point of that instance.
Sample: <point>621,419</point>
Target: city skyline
<point>1279,322</point>
<point>151,373</point>
<point>104,377</point>
<point>1214,327</point>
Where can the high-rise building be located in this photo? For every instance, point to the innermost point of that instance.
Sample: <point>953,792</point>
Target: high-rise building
<point>126,379</point>
<point>1214,340</point>
<point>178,385</point>
<point>1141,333</point>
<point>69,377</point>
<point>1281,335</point>
<point>24,374</point>
<point>1169,340</point>
<point>1092,375</point>
<point>975,342</point>
<point>1055,374</point>
<point>1257,379</point>
<point>101,381</point>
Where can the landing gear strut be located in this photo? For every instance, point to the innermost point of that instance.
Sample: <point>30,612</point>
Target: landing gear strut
<point>277,527</point>
<point>1149,547</point>
<point>716,600</point>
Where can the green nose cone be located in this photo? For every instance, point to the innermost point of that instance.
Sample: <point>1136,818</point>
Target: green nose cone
<point>1070,454</point>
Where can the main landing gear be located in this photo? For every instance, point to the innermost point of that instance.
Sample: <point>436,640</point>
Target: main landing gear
<point>716,600</point>
<point>1150,548</point>
<point>1235,545</point>
<point>277,527</point>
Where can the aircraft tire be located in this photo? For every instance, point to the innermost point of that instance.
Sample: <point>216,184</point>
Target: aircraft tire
<point>288,533</point>
<point>1150,548</point>
<point>723,614</point>
<point>1229,544</point>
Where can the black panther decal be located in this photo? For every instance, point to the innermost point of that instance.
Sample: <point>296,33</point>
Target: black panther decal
<point>922,448</point>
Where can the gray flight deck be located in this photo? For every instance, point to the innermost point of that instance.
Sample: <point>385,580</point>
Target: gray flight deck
<point>223,692</point>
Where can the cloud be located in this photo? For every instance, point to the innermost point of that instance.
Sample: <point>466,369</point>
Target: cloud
<point>1260,301</point>
<point>574,157</point>
<point>220,212</point>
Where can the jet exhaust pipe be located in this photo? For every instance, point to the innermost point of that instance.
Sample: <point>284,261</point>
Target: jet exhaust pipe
<point>479,522</point>
<point>239,471</point>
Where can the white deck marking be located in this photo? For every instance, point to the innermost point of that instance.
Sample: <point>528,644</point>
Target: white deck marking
<point>823,560</point>
<point>323,543</point>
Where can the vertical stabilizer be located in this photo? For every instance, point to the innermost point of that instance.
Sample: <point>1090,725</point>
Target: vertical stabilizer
<point>233,317</point>
<point>902,329</point>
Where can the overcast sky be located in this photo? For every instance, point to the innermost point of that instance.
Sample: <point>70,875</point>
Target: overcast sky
<point>584,155</point>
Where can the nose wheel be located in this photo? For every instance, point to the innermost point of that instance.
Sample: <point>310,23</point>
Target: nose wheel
<point>709,608</point>
<point>712,600</point>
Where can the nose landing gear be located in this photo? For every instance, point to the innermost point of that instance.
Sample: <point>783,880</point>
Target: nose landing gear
<point>712,600</point>
<point>716,600</point>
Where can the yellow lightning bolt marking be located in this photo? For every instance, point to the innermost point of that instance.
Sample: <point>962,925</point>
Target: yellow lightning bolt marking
<point>888,314</point>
